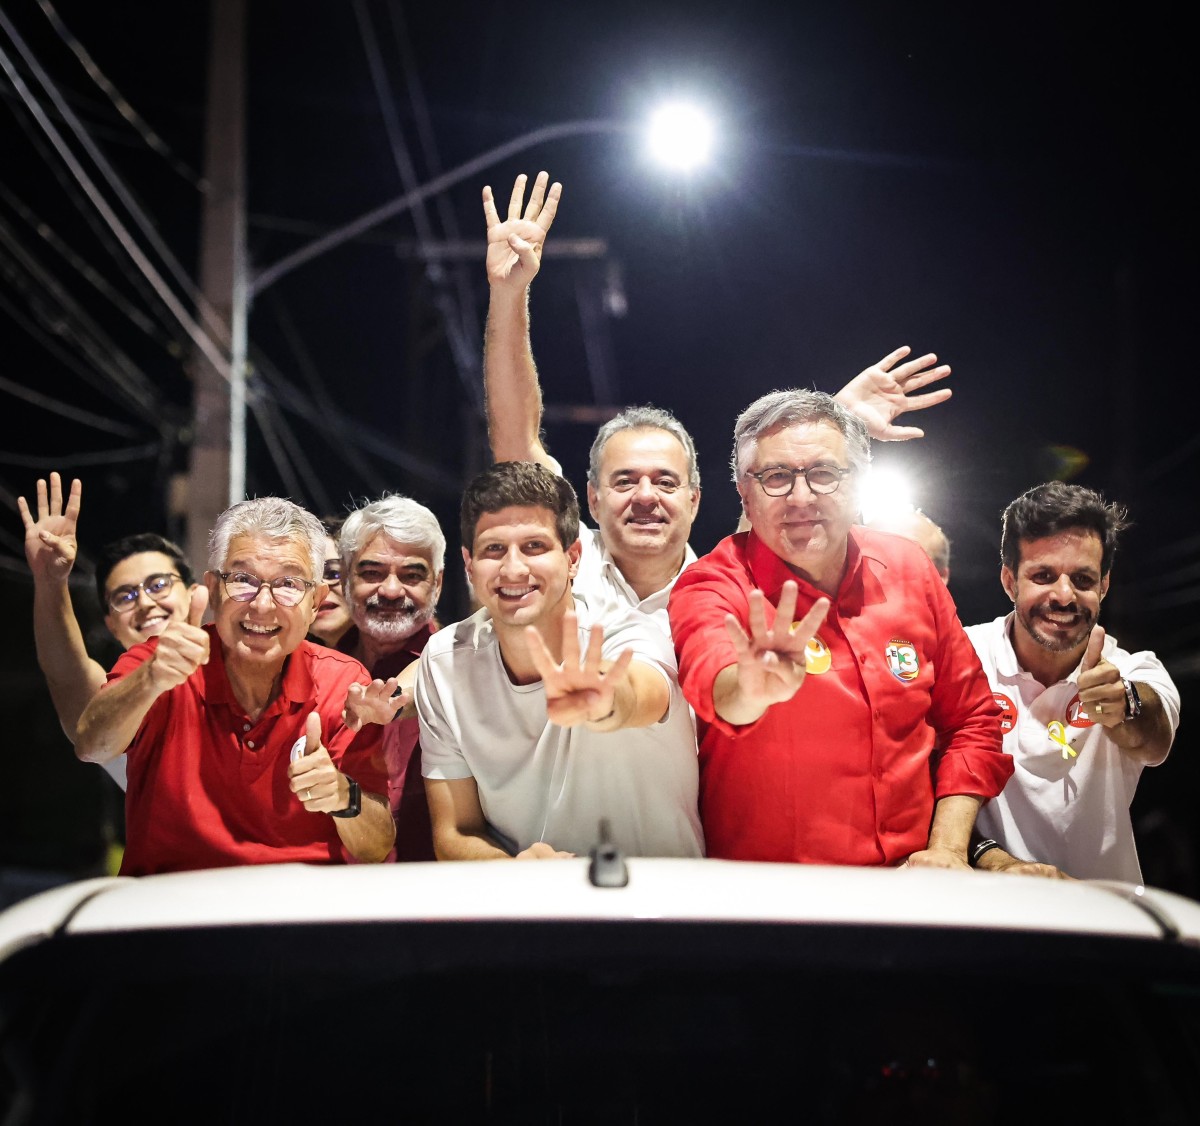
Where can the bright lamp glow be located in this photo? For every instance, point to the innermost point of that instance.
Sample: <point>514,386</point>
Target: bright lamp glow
<point>885,495</point>
<point>680,136</point>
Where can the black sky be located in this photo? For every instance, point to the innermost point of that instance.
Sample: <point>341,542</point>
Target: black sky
<point>1009,187</point>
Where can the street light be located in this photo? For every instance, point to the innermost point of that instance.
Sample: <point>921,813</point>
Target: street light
<point>679,136</point>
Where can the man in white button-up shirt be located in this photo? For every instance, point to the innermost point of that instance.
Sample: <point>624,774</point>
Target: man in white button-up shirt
<point>1081,716</point>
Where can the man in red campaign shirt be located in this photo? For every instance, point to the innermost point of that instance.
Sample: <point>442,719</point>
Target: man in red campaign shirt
<point>865,732</point>
<point>238,752</point>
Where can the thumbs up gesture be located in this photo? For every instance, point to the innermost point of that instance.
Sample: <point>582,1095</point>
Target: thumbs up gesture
<point>1101,693</point>
<point>182,646</point>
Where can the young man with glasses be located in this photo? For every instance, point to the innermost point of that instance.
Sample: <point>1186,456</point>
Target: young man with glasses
<point>143,582</point>
<point>238,748</point>
<point>862,733</point>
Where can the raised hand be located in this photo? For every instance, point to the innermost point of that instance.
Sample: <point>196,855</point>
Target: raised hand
<point>312,777</point>
<point>377,702</point>
<point>770,660</point>
<point>514,253</point>
<point>182,646</point>
<point>50,543</point>
<point>1101,693</point>
<point>881,393</point>
<point>578,690</point>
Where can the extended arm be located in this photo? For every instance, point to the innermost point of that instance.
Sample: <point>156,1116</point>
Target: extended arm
<point>112,719</point>
<point>771,660</point>
<point>587,690</point>
<point>881,393</point>
<point>50,548</point>
<point>997,860</point>
<point>1146,738</point>
<point>514,399</point>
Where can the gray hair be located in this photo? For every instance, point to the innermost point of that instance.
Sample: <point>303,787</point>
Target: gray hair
<point>643,418</point>
<point>797,407</point>
<point>270,518</point>
<point>400,518</point>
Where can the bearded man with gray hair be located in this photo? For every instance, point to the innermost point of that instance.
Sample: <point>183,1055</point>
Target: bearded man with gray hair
<point>237,745</point>
<point>864,731</point>
<point>393,552</point>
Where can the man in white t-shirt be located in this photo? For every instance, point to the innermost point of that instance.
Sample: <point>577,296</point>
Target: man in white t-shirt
<point>539,721</point>
<point>643,481</point>
<point>1080,716</point>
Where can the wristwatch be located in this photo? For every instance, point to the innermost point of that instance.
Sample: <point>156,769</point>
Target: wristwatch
<point>1133,702</point>
<point>355,806</point>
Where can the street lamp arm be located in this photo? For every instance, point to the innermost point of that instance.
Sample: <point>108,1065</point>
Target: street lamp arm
<point>355,227</point>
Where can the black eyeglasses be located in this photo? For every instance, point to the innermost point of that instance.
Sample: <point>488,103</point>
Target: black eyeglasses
<point>124,598</point>
<point>779,480</point>
<point>287,590</point>
<point>333,571</point>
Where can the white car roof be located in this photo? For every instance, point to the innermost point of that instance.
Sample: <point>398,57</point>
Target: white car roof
<point>558,891</point>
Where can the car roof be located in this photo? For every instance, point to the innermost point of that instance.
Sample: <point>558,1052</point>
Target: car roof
<point>657,890</point>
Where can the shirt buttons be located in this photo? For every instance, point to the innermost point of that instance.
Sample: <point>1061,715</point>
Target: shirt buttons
<point>245,727</point>
<point>250,743</point>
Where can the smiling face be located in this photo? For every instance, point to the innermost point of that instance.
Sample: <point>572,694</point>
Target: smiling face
<point>1056,591</point>
<point>260,633</point>
<point>393,590</point>
<point>333,614</point>
<point>807,530</point>
<point>149,616</point>
<point>642,503</point>
<point>519,569</point>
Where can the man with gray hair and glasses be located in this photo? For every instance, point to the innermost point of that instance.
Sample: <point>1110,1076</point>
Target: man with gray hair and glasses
<point>238,749</point>
<point>643,481</point>
<point>393,552</point>
<point>844,716</point>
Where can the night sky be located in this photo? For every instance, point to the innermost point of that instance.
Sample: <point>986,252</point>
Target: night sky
<point>1012,191</point>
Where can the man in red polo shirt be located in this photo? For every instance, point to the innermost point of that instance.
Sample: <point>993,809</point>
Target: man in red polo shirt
<point>864,733</point>
<point>238,752</point>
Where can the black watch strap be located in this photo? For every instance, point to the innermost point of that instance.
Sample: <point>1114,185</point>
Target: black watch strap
<point>355,806</point>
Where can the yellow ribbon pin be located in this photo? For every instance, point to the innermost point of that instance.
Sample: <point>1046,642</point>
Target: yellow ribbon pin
<point>1058,734</point>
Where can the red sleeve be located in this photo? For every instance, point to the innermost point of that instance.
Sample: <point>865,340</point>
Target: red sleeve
<point>970,758</point>
<point>702,596</point>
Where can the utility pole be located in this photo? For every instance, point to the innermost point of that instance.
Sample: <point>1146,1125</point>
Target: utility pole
<point>217,470</point>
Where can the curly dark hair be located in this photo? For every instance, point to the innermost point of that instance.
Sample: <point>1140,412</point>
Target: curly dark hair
<point>1046,510</point>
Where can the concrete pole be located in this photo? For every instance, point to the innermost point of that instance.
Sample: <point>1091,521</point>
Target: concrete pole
<point>217,472</point>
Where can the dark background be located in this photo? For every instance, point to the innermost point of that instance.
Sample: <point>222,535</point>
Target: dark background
<point>1011,189</point>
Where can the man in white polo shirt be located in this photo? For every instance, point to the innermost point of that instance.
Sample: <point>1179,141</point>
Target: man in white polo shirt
<point>538,721</point>
<point>1080,716</point>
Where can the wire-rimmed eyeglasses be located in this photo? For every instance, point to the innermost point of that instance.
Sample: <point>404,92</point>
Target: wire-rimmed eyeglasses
<point>124,598</point>
<point>822,478</point>
<point>242,586</point>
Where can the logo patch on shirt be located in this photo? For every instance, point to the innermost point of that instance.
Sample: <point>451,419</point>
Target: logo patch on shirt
<point>1008,712</point>
<point>902,659</point>
<point>817,658</point>
<point>1074,713</point>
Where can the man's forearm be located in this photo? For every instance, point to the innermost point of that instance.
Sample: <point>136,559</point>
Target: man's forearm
<point>369,836</point>
<point>514,398</point>
<point>110,722</point>
<point>728,702</point>
<point>72,677</point>
<point>953,819</point>
<point>456,845</point>
<point>1146,739</point>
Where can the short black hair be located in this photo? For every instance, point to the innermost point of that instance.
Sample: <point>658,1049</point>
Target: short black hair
<point>113,553</point>
<point>1047,510</point>
<point>525,484</point>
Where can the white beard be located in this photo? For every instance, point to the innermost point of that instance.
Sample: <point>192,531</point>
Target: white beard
<point>393,626</point>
